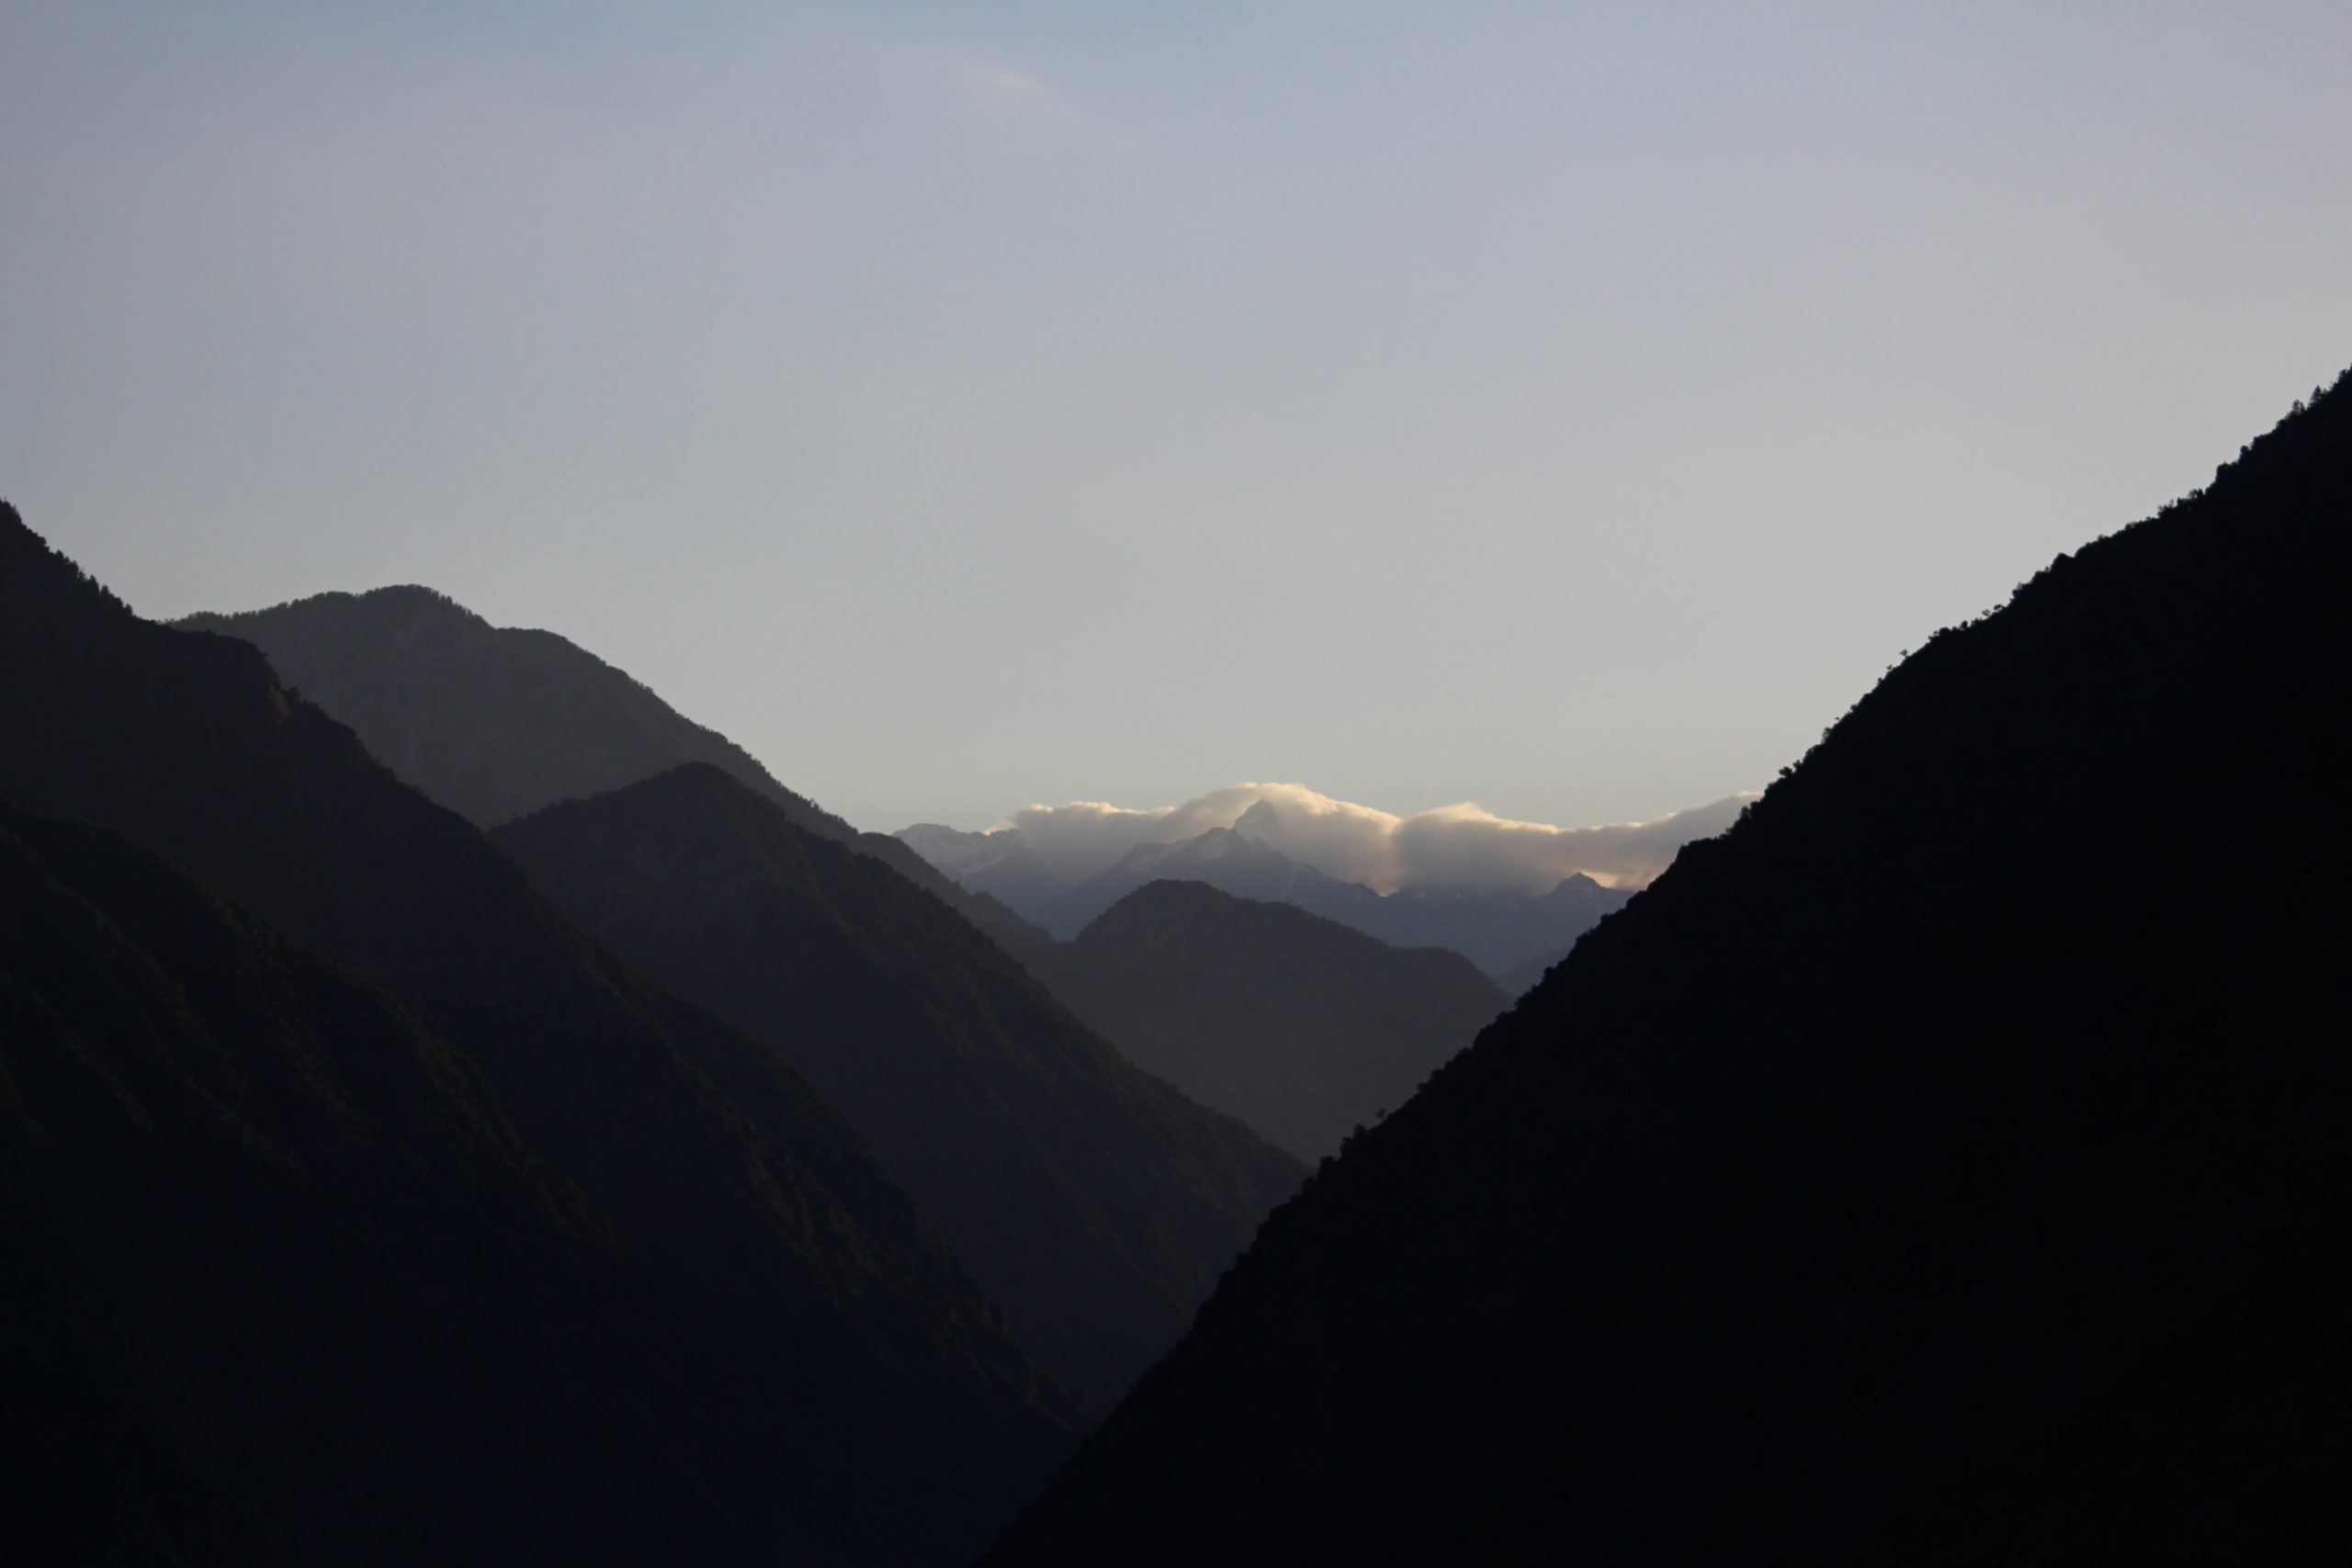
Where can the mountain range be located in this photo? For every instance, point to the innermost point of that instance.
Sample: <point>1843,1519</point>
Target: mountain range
<point>1844,1198</point>
<point>1108,1205</point>
<point>1502,931</point>
<point>497,722</point>
<point>568,1143</point>
<point>1093,1202</point>
<point>615,1280</point>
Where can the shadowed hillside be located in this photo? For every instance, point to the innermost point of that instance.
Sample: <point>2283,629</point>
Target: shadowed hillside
<point>1092,1201</point>
<point>491,721</point>
<point>1298,1025</point>
<point>496,722</point>
<point>214,1140</point>
<point>821,1379</point>
<point>1922,1171</point>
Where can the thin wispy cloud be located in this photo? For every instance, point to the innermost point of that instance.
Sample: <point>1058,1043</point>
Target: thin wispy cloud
<point>996,88</point>
<point>999,87</point>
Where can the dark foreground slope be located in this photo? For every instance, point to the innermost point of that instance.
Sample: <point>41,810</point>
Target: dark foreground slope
<point>1093,1202</point>
<point>1298,1025</point>
<point>277,1269</point>
<point>1915,1173</point>
<point>496,722</point>
<point>826,1379</point>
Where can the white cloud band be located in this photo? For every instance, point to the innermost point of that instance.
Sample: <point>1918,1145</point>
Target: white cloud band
<point>1453,847</point>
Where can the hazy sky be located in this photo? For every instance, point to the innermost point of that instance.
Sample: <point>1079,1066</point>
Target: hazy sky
<point>1569,408</point>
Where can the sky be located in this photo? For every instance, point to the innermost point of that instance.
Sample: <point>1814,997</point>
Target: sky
<point>1570,409</point>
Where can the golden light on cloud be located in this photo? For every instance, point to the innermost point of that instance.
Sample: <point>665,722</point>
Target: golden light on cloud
<point>1461,846</point>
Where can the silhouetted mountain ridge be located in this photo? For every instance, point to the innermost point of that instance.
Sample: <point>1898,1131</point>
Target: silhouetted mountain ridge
<point>796,1363</point>
<point>1499,931</point>
<point>1843,1199</point>
<point>1095,1205</point>
<point>1299,1026</point>
<point>493,722</point>
<point>497,722</point>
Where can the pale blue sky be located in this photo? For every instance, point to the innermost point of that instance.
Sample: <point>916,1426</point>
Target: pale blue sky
<point>1566,407</point>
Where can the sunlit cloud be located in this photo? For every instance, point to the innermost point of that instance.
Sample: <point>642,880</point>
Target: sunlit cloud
<point>1463,846</point>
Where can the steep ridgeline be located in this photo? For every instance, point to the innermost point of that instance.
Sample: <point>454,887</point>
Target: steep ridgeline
<point>1522,978</point>
<point>1501,932</point>
<point>1095,1204</point>
<point>496,722</point>
<point>493,722</point>
<point>1298,1025</point>
<point>999,859</point>
<point>771,1352</point>
<point>1914,1174</point>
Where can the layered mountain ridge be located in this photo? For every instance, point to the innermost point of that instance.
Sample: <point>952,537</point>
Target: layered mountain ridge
<point>795,1362</point>
<point>925,1035</point>
<point>1094,1205</point>
<point>497,722</point>
<point>1502,931</point>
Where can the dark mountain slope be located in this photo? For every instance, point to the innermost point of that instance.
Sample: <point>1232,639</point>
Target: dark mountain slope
<point>493,722</point>
<point>1298,1025</point>
<point>1912,1174</point>
<point>1093,1203</point>
<point>1498,931</point>
<point>276,1266</point>
<point>496,722</point>
<point>836,1381</point>
<point>1522,978</point>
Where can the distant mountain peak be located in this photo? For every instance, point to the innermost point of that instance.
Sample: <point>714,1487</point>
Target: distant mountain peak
<point>1497,890</point>
<point>1258,823</point>
<point>960,854</point>
<point>1499,930</point>
<point>1202,849</point>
